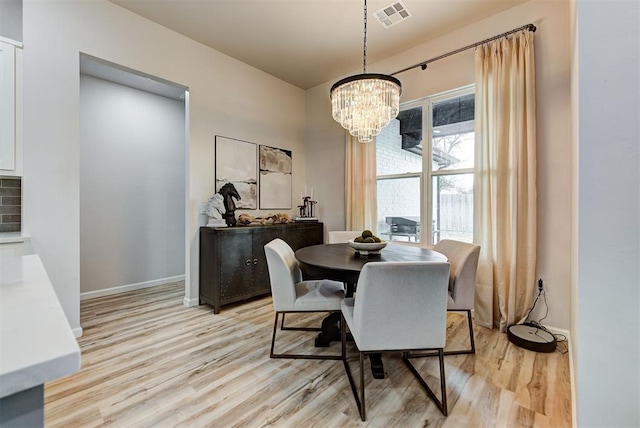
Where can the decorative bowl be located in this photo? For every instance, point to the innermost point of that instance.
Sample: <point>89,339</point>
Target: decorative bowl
<point>365,248</point>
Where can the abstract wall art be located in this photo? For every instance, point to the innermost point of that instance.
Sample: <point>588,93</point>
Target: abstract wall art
<point>236,163</point>
<point>275,178</point>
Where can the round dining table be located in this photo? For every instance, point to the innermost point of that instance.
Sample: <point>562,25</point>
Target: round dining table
<point>341,262</point>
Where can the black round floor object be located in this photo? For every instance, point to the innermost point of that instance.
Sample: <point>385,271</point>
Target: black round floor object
<point>529,336</point>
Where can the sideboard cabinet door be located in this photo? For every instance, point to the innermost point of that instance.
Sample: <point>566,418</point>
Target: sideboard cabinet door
<point>305,235</point>
<point>236,266</point>
<point>233,265</point>
<point>261,284</point>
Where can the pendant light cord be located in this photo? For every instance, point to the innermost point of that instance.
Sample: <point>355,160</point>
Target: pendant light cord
<point>364,50</point>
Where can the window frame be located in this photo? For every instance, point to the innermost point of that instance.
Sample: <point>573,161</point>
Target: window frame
<point>427,174</point>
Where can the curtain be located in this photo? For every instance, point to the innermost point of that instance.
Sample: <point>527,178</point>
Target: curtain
<point>361,185</point>
<point>505,180</point>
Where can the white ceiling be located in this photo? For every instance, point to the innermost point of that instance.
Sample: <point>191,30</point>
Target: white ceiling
<point>309,42</point>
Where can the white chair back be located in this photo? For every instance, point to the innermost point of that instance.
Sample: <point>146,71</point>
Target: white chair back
<point>342,236</point>
<point>462,278</point>
<point>401,305</point>
<point>284,273</point>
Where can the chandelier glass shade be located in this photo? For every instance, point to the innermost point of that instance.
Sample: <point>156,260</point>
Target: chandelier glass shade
<point>365,103</point>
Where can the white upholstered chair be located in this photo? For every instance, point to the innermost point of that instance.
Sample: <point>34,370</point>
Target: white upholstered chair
<point>400,306</point>
<point>291,294</point>
<point>462,281</point>
<point>342,236</point>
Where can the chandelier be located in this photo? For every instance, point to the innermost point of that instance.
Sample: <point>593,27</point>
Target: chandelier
<point>365,103</point>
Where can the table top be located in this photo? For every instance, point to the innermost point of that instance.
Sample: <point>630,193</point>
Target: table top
<point>342,263</point>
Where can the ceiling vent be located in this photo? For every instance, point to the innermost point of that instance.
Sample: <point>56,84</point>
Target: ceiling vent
<point>392,14</point>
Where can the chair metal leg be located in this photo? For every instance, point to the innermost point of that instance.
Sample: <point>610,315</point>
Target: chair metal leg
<point>272,354</point>
<point>443,384</point>
<point>273,337</point>
<point>471,350</point>
<point>363,415</point>
<point>471,334</point>
<point>282,326</point>
<point>360,397</point>
<point>347,369</point>
<point>441,404</point>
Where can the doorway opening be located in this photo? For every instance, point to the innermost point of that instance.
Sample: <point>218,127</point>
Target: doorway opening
<point>133,180</point>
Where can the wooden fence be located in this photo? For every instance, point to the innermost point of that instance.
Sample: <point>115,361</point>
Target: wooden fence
<point>456,213</point>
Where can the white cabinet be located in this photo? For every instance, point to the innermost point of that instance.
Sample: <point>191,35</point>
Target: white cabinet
<point>10,108</point>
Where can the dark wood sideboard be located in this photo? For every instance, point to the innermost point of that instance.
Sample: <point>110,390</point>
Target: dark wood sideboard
<point>233,266</point>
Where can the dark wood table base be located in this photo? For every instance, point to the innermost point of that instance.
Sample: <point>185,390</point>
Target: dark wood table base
<point>330,331</point>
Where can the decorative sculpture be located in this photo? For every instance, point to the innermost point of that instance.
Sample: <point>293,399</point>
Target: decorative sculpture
<point>306,209</point>
<point>228,192</point>
<point>215,210</point>
<point>276,218</point>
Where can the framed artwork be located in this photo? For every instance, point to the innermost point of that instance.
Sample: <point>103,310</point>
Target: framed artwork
<point>275,178</point>
<point>236,163</point>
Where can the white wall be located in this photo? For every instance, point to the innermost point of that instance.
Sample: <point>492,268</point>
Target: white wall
<point>573,345</point>
<point>608,184</point>
<point>11,19</point>
<point>227,98</point>
<point>132,186</point>
<point>325,138</point>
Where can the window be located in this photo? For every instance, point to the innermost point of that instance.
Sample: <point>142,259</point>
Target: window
<point>425,170</point>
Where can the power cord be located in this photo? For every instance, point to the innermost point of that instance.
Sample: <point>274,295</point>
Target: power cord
<point>561,339</point>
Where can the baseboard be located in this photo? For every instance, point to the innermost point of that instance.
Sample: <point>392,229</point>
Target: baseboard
<point>556,330</point>
<point>77,332</point>
<point>191,302</point>
<point>130,287</point>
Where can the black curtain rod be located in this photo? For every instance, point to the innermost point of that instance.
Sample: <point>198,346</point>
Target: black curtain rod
<point>423,64</point>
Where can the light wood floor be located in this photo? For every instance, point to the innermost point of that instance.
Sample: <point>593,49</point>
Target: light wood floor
<point>149,361</point>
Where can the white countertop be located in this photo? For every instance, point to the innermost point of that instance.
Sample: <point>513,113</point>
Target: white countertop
<point>11,237</point>
<point>36,341</point>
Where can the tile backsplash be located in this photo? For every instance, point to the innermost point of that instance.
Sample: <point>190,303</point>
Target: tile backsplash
<point>10,204</point>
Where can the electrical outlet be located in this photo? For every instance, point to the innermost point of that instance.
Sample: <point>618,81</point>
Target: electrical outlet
<point>203,208</point>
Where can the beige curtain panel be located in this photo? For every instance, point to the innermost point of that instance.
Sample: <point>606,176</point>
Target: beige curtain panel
<point>505,180</point>
<point>361,182</point>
